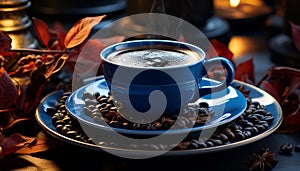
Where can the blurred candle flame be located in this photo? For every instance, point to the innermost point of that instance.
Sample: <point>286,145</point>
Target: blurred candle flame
<point>234,3</point>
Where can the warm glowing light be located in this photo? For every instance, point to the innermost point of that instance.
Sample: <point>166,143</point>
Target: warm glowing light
<point>234,3</point>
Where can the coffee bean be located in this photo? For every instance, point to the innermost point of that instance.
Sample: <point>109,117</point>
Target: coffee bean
<point>260,128</point>
<point>66,119</point>
<point>194,144</point>
<point>113,108</point>
<point>67,94</point>
<point>103,100</point>
<point>229,134</point>
<point>253,119</point>
<point>71,134</point>
<point>216,142</point>
<point>248,124</point>
<point>209,143</point>
<point>51,110</point>
<point>203,105</point>
<point>108,106</point>
<point>269,119</point>
<point>255,103</point>
<point>79,138</point>
<point>223,137</point>
<point>286,149</point>
<point>238,131</point>
<point>258,116</point>
<point>260,111</point>
<point>104,111</point>
<point>115,124</point>
<point>59,122</point>
<point>96,94</point>
<point>59,128</point>
<point>202,145</point>
<point>56,117</point>
<point>234,127</point>
<point>254,131</point>
<point>248,111</point>
<point>110,100</point>
<point>269,114</point>
<point>57,105</point>
<point>240,136</point>
<point>247,134</point>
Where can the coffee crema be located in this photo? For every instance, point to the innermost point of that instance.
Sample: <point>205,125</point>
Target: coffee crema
<point>153,57</point>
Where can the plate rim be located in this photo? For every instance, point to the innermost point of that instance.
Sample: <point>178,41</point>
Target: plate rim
<point>253,139</point>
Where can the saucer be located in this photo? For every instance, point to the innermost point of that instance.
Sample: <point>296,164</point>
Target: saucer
<point>256,94</point>
<point>227,105</point>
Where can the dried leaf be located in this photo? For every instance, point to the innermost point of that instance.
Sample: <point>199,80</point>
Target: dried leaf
<point>14,142</point>
<point>60,38</point>
<point>8,91</point>
<point>59,27</point>
<point>271,89</point>
<point>291,123</point>
<point>283,84</point>
<point>89,53</point>
<point>81,30</point>
<point>5,42</point>
<point>42,31</point>
<point>221,50</point>
<point>245,71</point>
<point>39,145</point>
<point>295,34</point>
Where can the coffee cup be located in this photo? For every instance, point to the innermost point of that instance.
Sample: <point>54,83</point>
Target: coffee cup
<point>151,78</point>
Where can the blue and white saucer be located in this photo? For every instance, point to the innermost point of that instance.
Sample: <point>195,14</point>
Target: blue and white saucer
<point>227,106</point>
<point>256,94</point>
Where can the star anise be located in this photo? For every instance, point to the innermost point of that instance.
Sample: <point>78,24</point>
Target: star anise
<point>262,161</point>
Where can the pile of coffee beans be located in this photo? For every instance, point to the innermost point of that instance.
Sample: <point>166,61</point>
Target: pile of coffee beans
<point>102,108</point>
<point>254,120</point>
<point>64,123</point>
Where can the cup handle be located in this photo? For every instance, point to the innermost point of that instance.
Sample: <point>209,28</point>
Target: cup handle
<point>229,76</point>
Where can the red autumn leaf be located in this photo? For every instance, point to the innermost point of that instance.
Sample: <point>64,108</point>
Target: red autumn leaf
<point>8,91</point>
<point>42,31</point>
<point>283,84</point>
<point>89,53</point>
<point>271,89</point>
<point>221,50</point>
<point>5,42</point>
<point>60,32</point>
<point>81,30</point>
<point>295,34</point>
<point>245,71</point>
<point>59,27</point>
<point>60,38</point>
<point>291,123</point>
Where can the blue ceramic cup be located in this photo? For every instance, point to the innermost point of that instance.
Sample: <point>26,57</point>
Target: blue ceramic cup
<point>155,90</point>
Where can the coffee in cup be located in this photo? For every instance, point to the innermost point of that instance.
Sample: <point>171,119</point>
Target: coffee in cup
<point>157,56</point>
